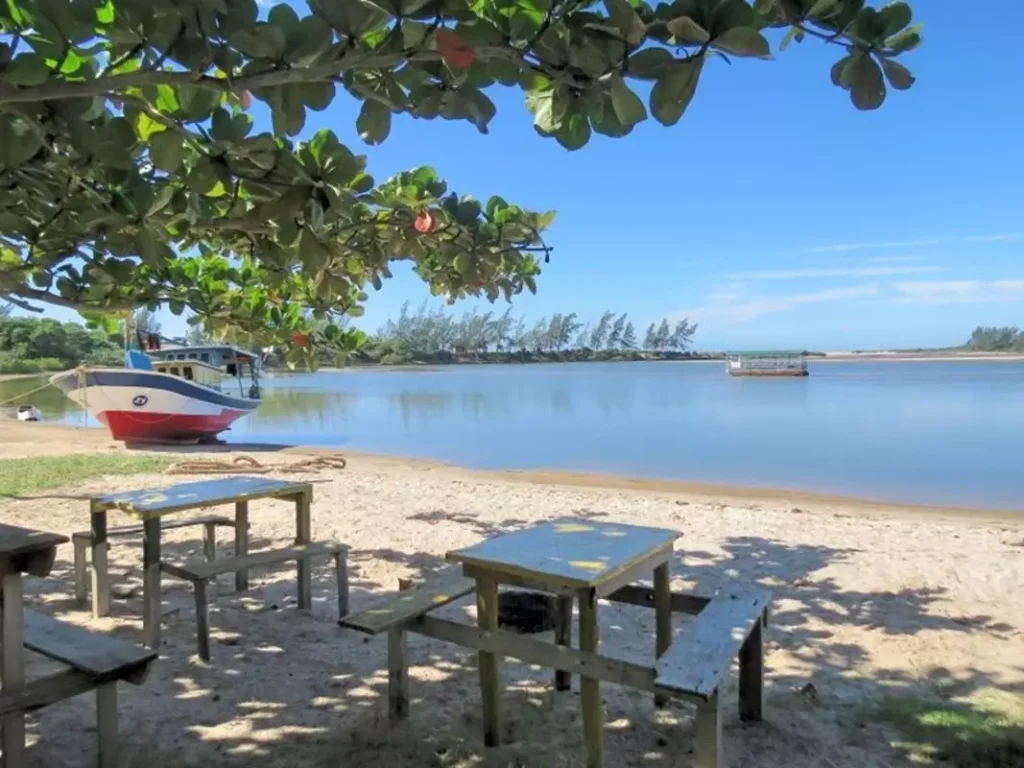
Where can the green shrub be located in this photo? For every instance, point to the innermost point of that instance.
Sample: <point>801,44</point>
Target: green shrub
<point>11,363</point>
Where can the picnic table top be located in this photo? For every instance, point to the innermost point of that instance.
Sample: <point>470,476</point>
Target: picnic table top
<point>572,553</point>
<point>153,502</point>
<point>15,540</point>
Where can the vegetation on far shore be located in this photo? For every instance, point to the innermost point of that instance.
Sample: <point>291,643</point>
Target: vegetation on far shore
<point>23,476</point>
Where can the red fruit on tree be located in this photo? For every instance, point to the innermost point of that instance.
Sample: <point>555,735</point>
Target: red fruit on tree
<point>300,339</point>
<point>246,99</point>
<point>454,50</point>
<point>424,222</point>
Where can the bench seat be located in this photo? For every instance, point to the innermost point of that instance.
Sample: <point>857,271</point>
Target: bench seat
<point>394,610</point>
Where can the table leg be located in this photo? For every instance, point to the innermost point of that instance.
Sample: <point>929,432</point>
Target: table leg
<point>490,671</point>
<point>12,669</point>
<point>303,533</point>
<point>590,688</point>
<point>151,581</point>
<point>663,618</point>
<point>241,542</point>
<point>563,636</point>
<point>100,573</point>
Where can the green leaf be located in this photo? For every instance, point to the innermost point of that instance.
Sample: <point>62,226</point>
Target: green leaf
<point>462,263</point>
<point>867,88</point>
<point>625,18</point>
<point>628,107</point>
<point>899,77</point>
<point>27,70</point>
<point>794,33</point>
<point>17,142</point>
<point>316,96</point>
<point>374,122</point>
<point>744,41</point>
<point>907,40</point>
<point>894,17</point>
<point>838,70</point>
<point>166,150</point>
<point>687,31</point>
<point>145,126</point>
<point>650,63</point>
<point>575,132</point>
<point>548,107</point>
<point>674,91</point>
<point>313,38</point>
<point>260,41</point>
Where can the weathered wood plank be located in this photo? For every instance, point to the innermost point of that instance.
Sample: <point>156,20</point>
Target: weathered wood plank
<point>201,570</point>
<point>396,609</point>
<point>341,573</point>
<point>205,493</point>
<point>663,618</point>
<point>151,593</point>
<point>708,752</point>
<point>100,572</point>
<point>563,637</point>
<point>166,525</point>
<point>90,652</point>
<point>202,620</point>
<point>590,687</point>
<point>12,668</point>
<point>488,662</point>
<point>46,691</point>
<point>566,553</point>
<point>15,540</point>
<point>241,543</point>
<point>682,602</point>
<point>303,534</point>
<point>752,674</point>
<point>702,655</point>
<point>106,725</point>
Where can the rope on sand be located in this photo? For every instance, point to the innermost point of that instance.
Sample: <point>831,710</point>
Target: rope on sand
<point>248,465</point>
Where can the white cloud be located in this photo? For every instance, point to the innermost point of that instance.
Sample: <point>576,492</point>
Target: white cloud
<point>739,311</point>
<point>1008,237</point>
<point>793,274</point>
<point>890,259</point>
<point>845,247</point>
<point>958,291</point>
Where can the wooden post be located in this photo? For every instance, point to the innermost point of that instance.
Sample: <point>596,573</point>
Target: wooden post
<point>81,572</point>
<point>708,737</point>
<point>106,725</point>
<point>12,668</point>
<point>151,581</point>
<point>202,621</point>
<point>210,541</point>
<point>341,569</point>
<point>752,673</point>
<point>663,618</point>
<point>302,536</point>
<point>563,636</point>
<point>100,574</point>
<point>490,671</point>
<point>241,542</point>
<point>398,675</point>
<point>590,688</point>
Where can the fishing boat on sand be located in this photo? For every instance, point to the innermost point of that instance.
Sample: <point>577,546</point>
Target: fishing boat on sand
<point>175,394</point>
<point>767,364</point>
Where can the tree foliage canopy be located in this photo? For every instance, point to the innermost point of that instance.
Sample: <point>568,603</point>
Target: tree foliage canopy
<point>131,175</point>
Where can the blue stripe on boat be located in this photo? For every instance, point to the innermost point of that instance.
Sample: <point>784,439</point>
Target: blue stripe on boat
<point>136,378</point>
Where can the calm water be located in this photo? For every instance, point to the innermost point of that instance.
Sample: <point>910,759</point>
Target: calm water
<point>943,433</point>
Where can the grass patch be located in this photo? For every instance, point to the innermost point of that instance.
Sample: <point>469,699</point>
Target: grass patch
<point>22,476</point>
<point>985,730</point>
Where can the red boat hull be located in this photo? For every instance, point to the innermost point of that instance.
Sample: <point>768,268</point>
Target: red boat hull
<point>134,427</point>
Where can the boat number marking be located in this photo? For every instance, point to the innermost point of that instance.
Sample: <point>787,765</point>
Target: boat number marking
<point>139,400</point>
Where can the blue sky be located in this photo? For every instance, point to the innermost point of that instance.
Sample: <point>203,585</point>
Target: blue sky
<point>774,214</point>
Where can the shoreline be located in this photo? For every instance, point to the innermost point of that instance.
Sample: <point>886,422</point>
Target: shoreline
<point>40,439</point>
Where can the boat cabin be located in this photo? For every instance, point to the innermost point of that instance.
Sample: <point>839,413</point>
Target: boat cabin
<point>208,366</point>
<point>775,363</point>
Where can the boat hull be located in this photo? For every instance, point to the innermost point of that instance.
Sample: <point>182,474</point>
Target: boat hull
<point>791,374</point>
<point>146,406</point>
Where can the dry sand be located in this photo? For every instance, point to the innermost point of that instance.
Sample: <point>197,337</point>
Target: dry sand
<point>868,599</point>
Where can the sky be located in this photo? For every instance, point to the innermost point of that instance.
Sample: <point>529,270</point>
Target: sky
<point>774,214</point>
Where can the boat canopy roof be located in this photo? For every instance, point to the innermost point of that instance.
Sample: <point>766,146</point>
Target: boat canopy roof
<point>767,353</point>
<point>225,350</point>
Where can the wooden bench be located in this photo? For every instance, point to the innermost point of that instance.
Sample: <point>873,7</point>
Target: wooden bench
<point>698,660</point>
<point>200,572</point>
<point>391,613</point>
<point>83,541</point>
<point>95,661</point>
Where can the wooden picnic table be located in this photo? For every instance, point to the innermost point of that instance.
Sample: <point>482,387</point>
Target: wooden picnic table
<point>22,550</point>
<point>573,559</point>
<point>150,505</point>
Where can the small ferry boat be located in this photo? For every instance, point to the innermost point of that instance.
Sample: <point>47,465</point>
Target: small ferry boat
<point>168,395</point>
<point>766,364</point>
<point>21,413</point>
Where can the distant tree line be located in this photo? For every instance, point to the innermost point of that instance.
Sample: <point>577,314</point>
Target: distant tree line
<point>426,332</point>
<point>35,345</point>
<point>996,339</point>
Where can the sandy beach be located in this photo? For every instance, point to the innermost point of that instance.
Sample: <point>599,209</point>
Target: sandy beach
<point>869,599</point>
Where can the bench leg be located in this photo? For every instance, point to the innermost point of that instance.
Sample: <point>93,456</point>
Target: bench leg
<point>12,669</point>
<point>590,688</point>
<point>752,674</point>
<point>100,574</point>
<point>663,618</point>
<point>151,581</point>
<point>398,675</point>
<point>210,541</point>
<point>563,636</point>
<point>341,569</point>
<point>708,747</point>
<point>490,671</point>
<point>303,533</point>
<point>202,621</point>
<point>106,725</point>
<point>81,572</point>
<point>241,542</point>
